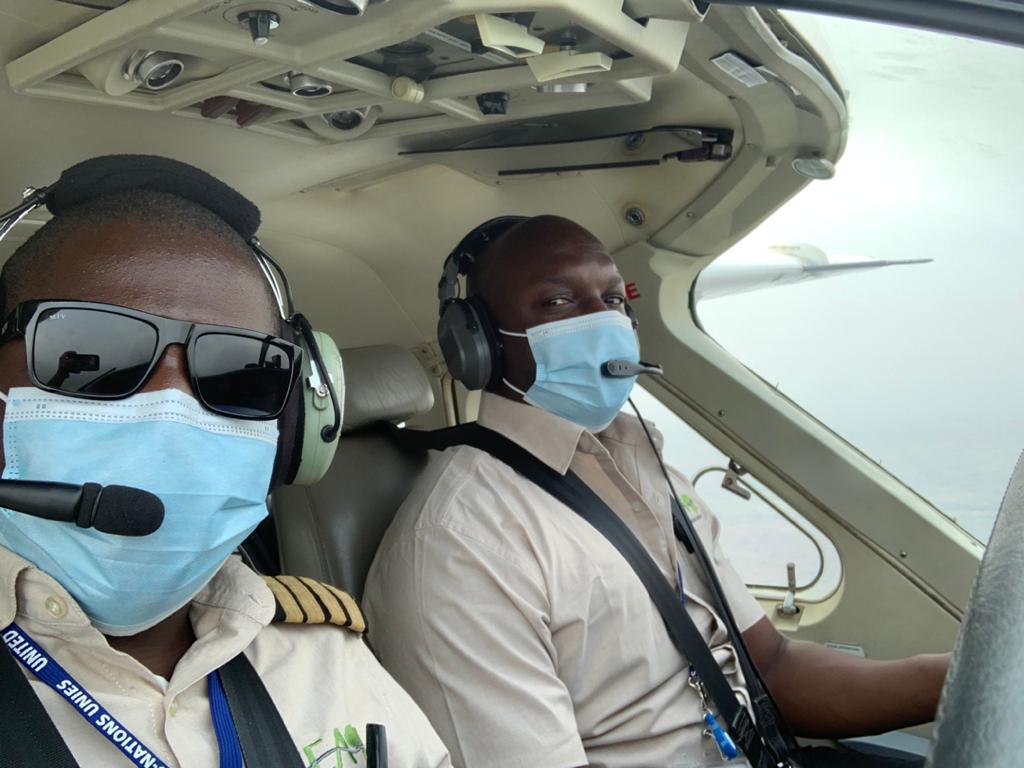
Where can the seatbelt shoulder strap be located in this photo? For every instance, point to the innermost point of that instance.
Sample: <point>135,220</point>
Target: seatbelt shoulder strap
<point>263,736</point>
<point>775,730</point>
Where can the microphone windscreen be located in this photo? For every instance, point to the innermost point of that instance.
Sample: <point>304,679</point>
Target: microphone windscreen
<point>125,511</point>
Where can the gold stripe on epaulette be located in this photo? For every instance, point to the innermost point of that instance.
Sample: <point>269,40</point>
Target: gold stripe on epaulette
<point>351,608</point>
<point>301,600</point>
<point>287,607</point>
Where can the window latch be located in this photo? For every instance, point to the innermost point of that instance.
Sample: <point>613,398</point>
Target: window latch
<point>788,606</point>
<point>731,481</point>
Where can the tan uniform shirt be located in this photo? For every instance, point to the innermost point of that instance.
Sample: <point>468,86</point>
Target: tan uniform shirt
<point>521,632</point>
<point>322,678</point>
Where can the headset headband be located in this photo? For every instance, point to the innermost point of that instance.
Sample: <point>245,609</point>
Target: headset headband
<point>462,258</point>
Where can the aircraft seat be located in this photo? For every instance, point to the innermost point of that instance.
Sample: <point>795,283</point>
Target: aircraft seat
<point>330,531</point>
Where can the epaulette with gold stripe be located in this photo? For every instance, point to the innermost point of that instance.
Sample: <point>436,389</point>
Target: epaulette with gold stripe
<point>301,600</point>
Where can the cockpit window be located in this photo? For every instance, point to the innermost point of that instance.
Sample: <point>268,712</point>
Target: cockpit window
<point>918,363</point>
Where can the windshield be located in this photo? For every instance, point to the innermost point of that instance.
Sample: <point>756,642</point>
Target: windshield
<point>917,365</point>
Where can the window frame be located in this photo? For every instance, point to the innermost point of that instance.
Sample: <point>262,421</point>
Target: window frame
<point>996,20</point>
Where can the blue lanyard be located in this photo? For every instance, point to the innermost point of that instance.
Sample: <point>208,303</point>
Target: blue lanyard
<point>223,725</point>
<point>45,667</point>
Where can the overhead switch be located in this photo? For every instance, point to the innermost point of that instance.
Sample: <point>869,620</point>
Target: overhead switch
<point>567,63</point>
<point>678,10</point>
<point>507,37</point>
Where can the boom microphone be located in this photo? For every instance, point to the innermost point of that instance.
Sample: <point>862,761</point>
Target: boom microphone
<point>116,509</point>
<point>623,369</point>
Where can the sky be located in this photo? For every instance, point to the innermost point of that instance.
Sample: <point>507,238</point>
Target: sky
<point>920,367</point>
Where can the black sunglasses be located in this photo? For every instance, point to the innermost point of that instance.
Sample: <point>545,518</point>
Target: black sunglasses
<point>105,352</point>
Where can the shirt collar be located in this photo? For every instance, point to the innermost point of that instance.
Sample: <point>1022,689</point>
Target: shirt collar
<point>16,577</point>
<point>627,430</point>
<point>235,588</point>
<point>551,438</point>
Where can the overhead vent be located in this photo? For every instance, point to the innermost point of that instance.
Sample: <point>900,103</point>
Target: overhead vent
<point>344,69</point>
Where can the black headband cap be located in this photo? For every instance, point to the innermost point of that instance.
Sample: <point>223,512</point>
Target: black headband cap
<point>110,174</point>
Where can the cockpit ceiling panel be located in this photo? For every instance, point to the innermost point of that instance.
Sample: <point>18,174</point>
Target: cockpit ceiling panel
<point>507,159</point>
<point>467,62</point>
<point>455,48</point>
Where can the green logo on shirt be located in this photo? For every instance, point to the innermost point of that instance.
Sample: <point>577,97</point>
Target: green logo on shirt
<point>346,744</point>
<point>689,505</point>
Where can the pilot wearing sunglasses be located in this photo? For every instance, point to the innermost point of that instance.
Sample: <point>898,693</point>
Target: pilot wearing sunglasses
<point>142,345</point>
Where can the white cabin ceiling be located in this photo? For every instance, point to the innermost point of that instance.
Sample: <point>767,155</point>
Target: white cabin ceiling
<point>362,227</point>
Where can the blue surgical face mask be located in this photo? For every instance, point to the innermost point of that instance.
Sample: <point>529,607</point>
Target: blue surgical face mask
<point>569,355</point>
<point>211,472</point>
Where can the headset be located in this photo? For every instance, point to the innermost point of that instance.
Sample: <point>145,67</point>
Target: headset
<point>311,422</point>
<point>466,331</point>
<point>315,421</point>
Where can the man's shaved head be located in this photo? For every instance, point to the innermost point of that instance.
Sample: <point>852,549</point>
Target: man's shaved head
<point>160,212</point>
<point>532,238</point>
<point>544,269</point>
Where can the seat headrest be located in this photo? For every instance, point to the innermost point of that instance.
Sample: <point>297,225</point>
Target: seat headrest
<point>383,383</point>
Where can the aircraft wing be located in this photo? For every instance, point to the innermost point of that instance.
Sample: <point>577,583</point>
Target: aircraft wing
<point>781,265</point>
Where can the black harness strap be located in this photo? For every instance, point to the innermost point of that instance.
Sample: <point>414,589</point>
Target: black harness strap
<point>261,731</point>
<point>774,729</point>
<point>27,735</point>
<point>764,743</point>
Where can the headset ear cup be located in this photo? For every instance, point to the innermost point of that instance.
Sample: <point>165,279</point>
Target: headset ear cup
<point>491,337</point>
<point>465,332</point>
<point>463,337</point>
<point>317,413</point>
